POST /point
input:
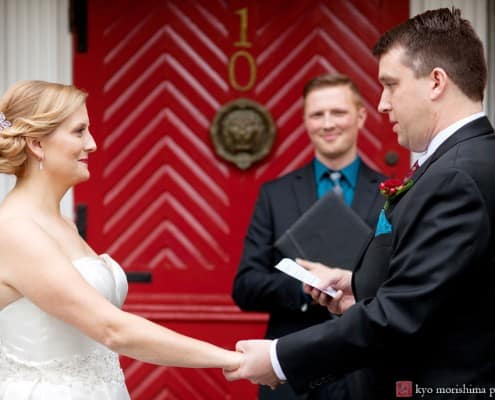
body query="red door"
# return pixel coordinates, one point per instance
(160, 200)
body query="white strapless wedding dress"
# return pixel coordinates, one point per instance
(43, 358)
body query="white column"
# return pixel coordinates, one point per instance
(490, 98)
(35, 43)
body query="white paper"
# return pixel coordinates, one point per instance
(293, 269)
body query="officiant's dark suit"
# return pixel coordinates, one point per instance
(258, 285)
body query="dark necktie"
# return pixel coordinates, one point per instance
(411, 171)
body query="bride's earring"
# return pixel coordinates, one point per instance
(41, 161)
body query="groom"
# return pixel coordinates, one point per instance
(424, 290)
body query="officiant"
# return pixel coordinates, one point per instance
(334, 114)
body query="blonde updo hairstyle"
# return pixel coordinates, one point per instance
(35, 109)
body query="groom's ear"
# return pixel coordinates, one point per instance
(439, 80)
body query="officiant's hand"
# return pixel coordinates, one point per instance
(339, 279)
(255, 364)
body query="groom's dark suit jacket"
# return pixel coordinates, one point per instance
(425, 291)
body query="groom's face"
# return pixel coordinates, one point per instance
(406, 99)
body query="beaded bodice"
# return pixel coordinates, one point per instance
(37, 349)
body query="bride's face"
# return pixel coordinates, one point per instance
(66, 150)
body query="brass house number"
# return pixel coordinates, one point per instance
(243, 43)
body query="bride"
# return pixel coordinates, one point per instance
(61, 325)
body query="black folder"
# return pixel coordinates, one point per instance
(329, 232)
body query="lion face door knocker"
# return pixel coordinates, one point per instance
(242, 132)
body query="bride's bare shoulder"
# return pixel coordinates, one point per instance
(21, 241)
(18, 226)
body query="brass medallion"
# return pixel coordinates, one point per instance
(242, 132)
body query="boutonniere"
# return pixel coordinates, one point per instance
(391, 188)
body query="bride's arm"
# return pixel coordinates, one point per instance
(141, 339)
(36, 268)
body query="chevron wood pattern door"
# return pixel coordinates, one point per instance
(160, 200)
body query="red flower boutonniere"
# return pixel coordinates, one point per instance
(393, 187)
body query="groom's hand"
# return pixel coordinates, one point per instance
(255, 364)
(337, 278)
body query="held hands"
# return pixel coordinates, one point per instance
(233, 361)
(337, 278)
(255, 363)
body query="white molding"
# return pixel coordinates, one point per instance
(35, 43)
(490, 98)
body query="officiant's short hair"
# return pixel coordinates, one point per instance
(332, 80)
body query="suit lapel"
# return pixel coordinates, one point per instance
(365, 197)
(304, 187)
(367, 192)
(478, 127)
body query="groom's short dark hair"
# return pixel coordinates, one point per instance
(440, 38)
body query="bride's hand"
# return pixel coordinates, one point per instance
(233, 361)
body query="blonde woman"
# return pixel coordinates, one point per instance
(61, 325)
